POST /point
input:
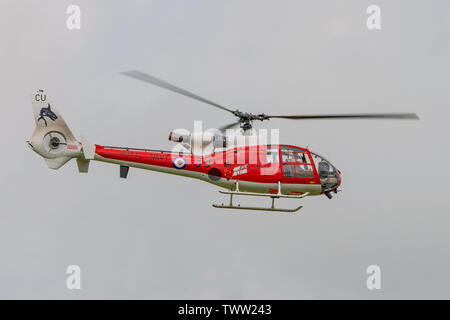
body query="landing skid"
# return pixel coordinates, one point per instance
(272, 196)
(239, 207)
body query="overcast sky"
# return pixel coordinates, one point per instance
(157, 236)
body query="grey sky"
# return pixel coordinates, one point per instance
(157, 236)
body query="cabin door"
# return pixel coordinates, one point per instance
(296, 164)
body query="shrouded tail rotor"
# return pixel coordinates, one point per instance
(52, 138)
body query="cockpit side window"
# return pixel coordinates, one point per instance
(296, 163)
(290, 154)
(327, 172)
(323, 166)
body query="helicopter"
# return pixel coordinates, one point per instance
(234, 160)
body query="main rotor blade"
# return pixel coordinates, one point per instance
(402, 116)
(228, 126)
(162, 84)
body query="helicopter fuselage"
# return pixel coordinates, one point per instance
(260, 169)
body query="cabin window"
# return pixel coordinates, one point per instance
(296, 163)
(295, 155)
(288, 155)
(289, 170)
(304, 171)
(272, 154)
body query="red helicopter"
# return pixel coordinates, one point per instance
(234, 162)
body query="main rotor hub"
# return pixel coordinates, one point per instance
(247, 125)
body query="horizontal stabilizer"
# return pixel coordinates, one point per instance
(57, 162)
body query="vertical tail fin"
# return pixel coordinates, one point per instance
(52, 138)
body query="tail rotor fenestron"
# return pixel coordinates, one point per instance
(52, 138)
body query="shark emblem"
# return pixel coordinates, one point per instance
(47, 112)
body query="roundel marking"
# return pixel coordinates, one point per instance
(179, 163)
